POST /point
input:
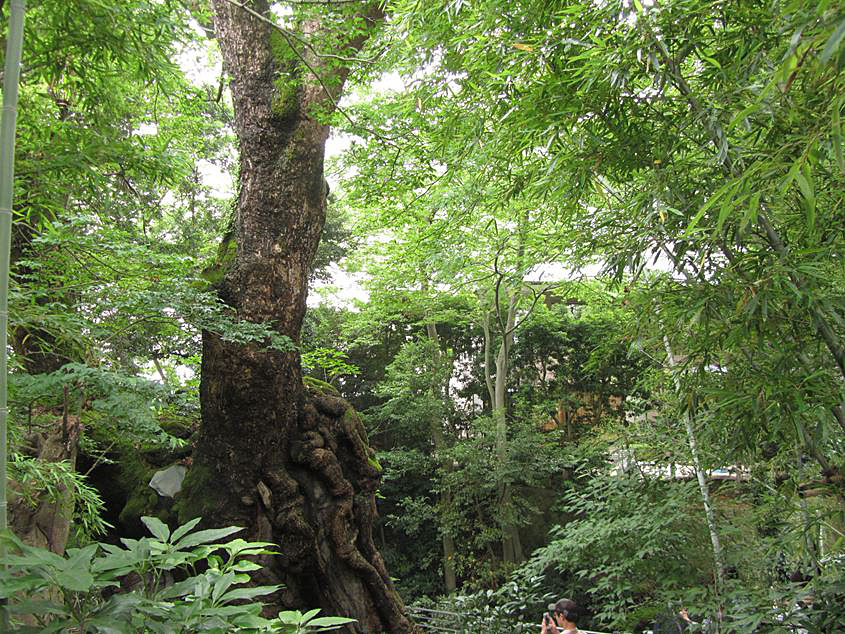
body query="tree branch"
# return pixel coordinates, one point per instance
(289, 36)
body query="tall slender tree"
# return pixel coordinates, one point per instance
(7, 178)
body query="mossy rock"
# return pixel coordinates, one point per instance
(193, 500)
(141, 499)
(143, 502)
(181, 427)
(319, 387)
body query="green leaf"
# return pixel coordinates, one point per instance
(81, 557)
(245, 565)
(310, 615)
(330, 622)
(179, 589)
(833, 42)
(158, 528)
(185, 528)
(75, 579)
(206, 536)
(805, 184)
(107, 625)
(240, 546)
(221, 584)
(36, 606)
(248, 593)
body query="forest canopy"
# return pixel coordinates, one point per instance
(507, 301)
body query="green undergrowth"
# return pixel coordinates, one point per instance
(81, 592)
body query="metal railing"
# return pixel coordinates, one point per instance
(431, 620)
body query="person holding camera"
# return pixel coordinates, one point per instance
(561, 617)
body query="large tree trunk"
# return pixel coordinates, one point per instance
(293, 467)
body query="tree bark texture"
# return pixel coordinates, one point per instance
(292, 466)
(46, 524)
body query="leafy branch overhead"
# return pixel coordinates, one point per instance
(566, 316)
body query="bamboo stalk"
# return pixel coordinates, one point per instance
(704, 489)
(14, 43)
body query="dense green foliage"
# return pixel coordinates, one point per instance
(205, 597)
(600, 249)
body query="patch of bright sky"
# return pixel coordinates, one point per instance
(202, 64)
(338, 142)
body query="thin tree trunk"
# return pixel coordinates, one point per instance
(11, 75)
(488, 359)
(718, 558)
(448, 543)
(294, 468)
(161, 373)
(511, 543)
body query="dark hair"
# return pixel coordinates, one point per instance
(567, 607)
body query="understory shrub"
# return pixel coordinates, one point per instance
(514, 608)
(81, 592)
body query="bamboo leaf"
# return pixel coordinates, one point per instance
(750, 216)
(712, 201)
(833, 42)
(751, 306)
(836, 134)
(790, 176)
(712, 61)
(724, 212)
(805, 184)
